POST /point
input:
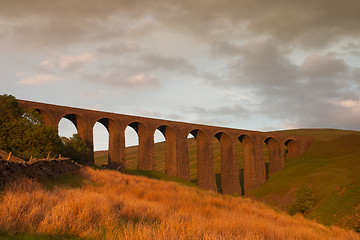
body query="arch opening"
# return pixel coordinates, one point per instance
(101, 142)
(145, 147)
(275, 156)
(240, 163)
(160, 150)
(168, 147)
(248, 164)
(204, 160)
(226, 164)
(266, 158)
(83, 130)
(218, 161)
(45, 117)
(291, 149)
(131, 147)
(67, 127)
(192, 153)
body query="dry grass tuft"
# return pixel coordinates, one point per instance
(117, 206)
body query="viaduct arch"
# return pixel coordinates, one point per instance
(175, 133)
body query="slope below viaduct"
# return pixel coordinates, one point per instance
(176, 133)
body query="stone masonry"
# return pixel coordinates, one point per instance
(176, 133)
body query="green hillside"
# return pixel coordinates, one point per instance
(331, 167)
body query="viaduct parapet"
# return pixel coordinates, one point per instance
(176, 133)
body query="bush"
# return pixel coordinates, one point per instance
(75, 148)
(23, 133)
(304, 200)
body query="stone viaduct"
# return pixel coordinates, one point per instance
(176, 133)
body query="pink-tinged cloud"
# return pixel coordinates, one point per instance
(38, 79)
(68, 62)
(351, 104)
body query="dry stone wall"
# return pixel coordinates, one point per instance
(11, 170)
(5, 156)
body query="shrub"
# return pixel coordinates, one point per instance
(75, 148)
(304, 200)
(23, 133)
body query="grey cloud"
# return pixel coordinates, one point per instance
(121, 80)
(153, 61)
(150, 64)
(148, 67)
(139, 71)
(254, 37)
(118, 49)
(174, 117)
(225, 49)
(352, 48)
(263, 63)
(220, 113)
(324, 66)
(305, 95)
(67, 63)
(236, 110)
(306, 23)
(356, 74)
(140, 60)
(149, 113)
(68, 23)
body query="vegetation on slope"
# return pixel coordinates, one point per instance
(331, 169)
(111, 205)
(24, 134)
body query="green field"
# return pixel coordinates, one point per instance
(331, 167)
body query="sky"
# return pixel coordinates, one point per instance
(247, 64)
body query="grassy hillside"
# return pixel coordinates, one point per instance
(107, 204)
(331, 167)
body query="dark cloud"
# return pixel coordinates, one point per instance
(310, 94)
(323, 66)
(263, 63)
(155, 62)
(140, 71)
(225, 49)
(305, 23)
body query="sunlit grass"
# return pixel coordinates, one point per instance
(120, 206)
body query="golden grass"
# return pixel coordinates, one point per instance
(118, 206)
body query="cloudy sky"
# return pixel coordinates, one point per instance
(261, 65)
